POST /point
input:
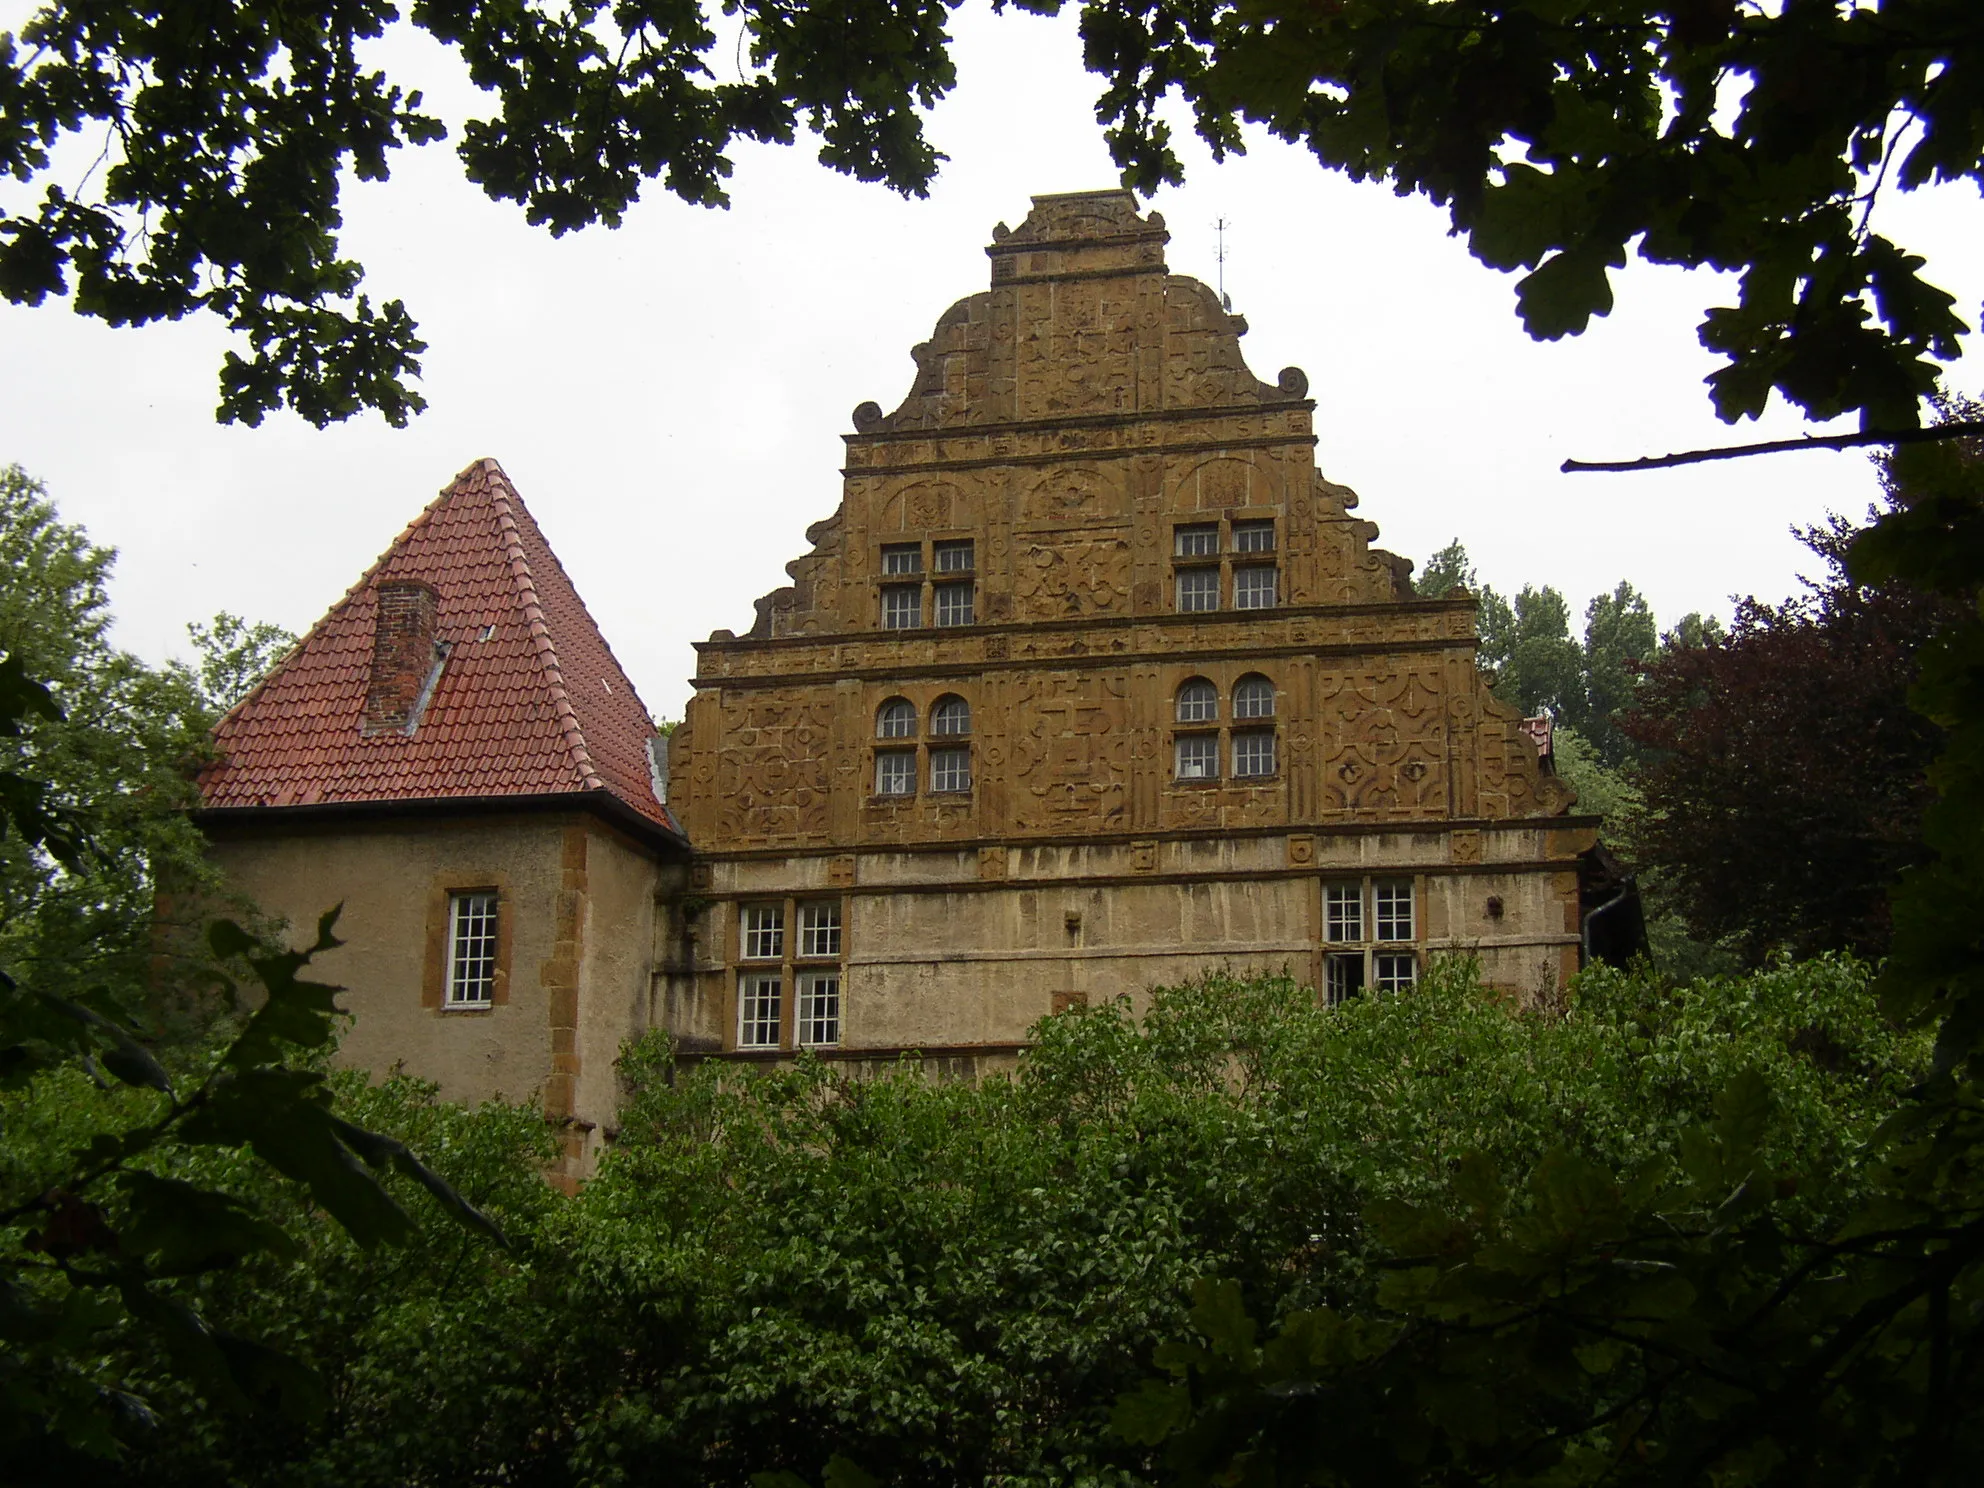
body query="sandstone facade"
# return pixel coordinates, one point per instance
(1093, 682)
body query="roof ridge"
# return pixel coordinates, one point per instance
(542, 645)
(352, 592)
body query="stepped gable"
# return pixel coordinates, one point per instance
(1083, 320)
(517, 692)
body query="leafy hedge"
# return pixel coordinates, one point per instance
(953, 1282)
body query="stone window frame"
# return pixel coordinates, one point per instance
(894, 598)
(441, 893)
(934, 733)
(954, 603)
(1227, 557)
(1225, 732)
(788, 971)
(928, 579)
(1247, 591)
(1359, 957)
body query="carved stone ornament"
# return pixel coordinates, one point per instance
(1076, 437)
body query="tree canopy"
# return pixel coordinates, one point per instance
(1782, 773)
(109, 1223)
(1562, 136)
(1539, 667)
(951, 1282)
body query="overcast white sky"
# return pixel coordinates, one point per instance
(670, 397)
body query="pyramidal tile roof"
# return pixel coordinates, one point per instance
(528, 702)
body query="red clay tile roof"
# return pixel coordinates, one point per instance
(530, 701)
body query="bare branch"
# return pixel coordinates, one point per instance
(1961, 429)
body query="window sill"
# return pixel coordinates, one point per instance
(467, 1007)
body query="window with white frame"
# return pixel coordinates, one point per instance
(471, 981)
(1253, 537)
(954, 557)
(819, 1008)
(1198, 590)
(1197, 540)
(1343, 977)
(1369, 930)
(808, 964)
(902, 606)
(1254, 587)
(954, 604)
(1242, 572)
(950, 770)
(1253, 753)
(763, 932)
(1198, 757)
(902, 558)
(1344, 911)
(1392, 899)
(819, 929)
(950, 716)
(758, 1009)
(1393, 971)
(1198, 702)
(933, 748)
(1253, 697)
(895, 772)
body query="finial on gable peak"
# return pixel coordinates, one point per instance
(1081, 216)
(1075, 232)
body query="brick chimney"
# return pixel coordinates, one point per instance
(405, 658)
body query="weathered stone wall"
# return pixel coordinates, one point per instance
(1086, 434)
(960, 950)
(576, 922)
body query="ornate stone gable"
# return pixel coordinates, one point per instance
(1086, 503)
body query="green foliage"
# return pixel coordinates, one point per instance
(1450, 568)
(233, 125)
(1560, 136)
(107, 1230)
(1539, 667)
(1727, 1311)
(942, 1282)
(234, 656)
(114, 742)
(1782, 773)
(1619, 637)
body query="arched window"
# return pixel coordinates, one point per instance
(895, 719)
(1198, 702)
(1253, 697)
(950, 715)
